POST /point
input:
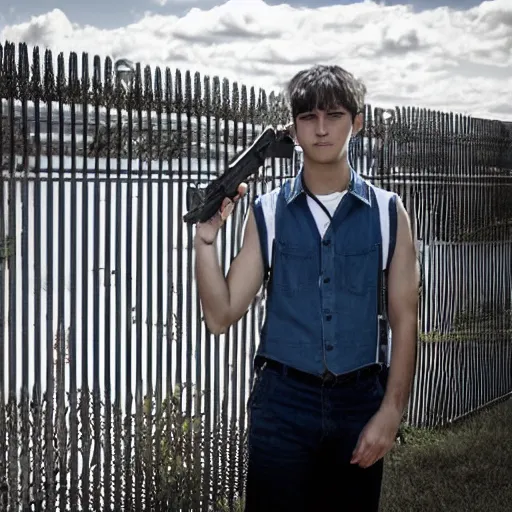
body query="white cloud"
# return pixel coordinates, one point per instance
(447, 59)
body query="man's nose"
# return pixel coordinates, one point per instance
(321, 127)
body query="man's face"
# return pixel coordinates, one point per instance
(324, 135)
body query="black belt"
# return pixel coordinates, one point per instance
(327, 378)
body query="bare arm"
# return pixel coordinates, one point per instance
(403, 287)
(378, 436)
(226, 299)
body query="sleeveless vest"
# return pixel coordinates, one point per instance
(325, 296)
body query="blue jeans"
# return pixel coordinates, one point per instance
(301, 439)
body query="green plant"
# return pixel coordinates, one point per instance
(223, 505)
(165, 440)
(172, 449)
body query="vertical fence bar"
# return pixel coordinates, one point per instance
(169, 98)
(170, 95)
(199, 423)
(216, 111)
(231, 337)
(60, 342)
(207, 435)
(159, 290)
(12, 409)
(50, 470)
(243, 341)
(84, 285)
(24, 405)
(137, 308)
(477, 275)
(107, 280)
(119, 339)
(179, 231)
(187, 270)
(128, 318)
(237, 223)
(147, 399)
(73, 94)
(96, 267)
(227, 337)
(37, 433)
(3, 243)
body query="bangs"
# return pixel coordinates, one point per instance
(322, 97)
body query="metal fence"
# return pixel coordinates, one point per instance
(113, 394)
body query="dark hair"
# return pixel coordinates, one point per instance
(325, 87)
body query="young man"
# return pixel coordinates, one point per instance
(321, 417)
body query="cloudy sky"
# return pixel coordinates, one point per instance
(451, 55)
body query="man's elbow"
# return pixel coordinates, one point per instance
(217, 326)
(217, 329)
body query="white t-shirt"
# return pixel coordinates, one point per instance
(331, 202)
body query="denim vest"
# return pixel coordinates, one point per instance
(322, 297)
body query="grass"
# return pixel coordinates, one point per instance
(465, 467)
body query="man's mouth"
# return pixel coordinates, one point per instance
(323, 144)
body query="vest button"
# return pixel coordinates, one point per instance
(326, 242)
(327, 280)
(328, 317)
(329, 347)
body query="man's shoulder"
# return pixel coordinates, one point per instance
(380, 192)
(386, 199)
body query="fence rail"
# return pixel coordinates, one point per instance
(113, 395)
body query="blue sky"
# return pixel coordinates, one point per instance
(454, 56)
(112, 13)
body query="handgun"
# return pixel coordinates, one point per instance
(203, 204)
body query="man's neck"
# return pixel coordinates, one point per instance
(326, 179)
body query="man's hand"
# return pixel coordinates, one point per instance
(377, 437)
(207, 231)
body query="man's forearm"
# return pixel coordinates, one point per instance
(212, 286)
(403, 363)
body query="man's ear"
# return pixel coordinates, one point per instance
(357, 125)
